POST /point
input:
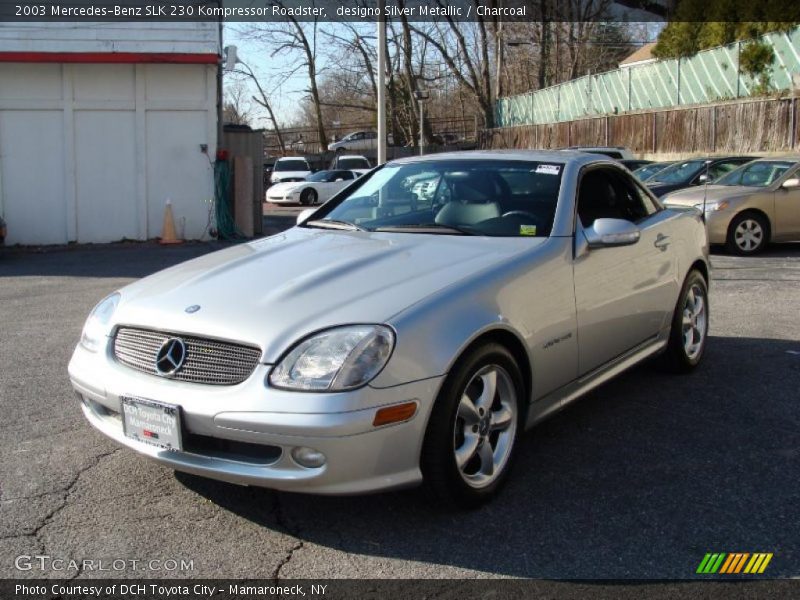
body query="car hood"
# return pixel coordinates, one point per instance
(713, 193)
(288, 174)
(274, 291)
(280, 189)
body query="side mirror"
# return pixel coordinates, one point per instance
(606, 233)
(702, 179)
(790, 184)
(303, 216)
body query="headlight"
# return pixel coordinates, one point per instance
(713, 206)
(96, 327)
(335, 360)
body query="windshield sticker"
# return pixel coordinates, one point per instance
(527, 229)
(549, 169)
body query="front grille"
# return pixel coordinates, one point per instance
(207, 361)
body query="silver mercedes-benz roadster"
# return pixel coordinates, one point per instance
(407, 331)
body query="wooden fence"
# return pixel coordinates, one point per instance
(768, 125)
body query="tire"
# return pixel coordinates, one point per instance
(748, 234)
(308, 196)
(683, 354)
(470, 440)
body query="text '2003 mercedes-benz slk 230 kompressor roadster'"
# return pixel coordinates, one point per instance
(407, 331)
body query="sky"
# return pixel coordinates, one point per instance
(286, 97)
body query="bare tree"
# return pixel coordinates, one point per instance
(464, 48)
(263, 99)
(298, 41)
(236, 107)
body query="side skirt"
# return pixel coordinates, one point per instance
(556, 400)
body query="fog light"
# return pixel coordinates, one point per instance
(308, 457)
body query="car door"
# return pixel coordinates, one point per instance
(787, 210)
(338, 180)
(623, 294)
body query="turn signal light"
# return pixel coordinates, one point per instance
(395, 414)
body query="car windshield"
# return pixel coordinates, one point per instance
(756, 174)
(680, 172)
(352, 163)
(646, 172)
(507, 198)
(321, 176)
(295, 164)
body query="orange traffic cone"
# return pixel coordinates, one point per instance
(168, 235)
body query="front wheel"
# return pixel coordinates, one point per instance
(689, 332)
(748, 234)
(473, 429)
(308, 196)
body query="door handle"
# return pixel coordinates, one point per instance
(662, 242)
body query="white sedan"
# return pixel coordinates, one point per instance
(315, 189)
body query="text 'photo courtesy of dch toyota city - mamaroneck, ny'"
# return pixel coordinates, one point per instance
(399, 299)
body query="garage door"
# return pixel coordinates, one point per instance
(91, 152)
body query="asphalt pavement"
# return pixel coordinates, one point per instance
(636, 481)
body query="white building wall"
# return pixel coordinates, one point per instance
(91, 152)
(190, 38)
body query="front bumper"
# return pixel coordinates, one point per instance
(359, 457)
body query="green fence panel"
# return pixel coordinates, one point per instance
(705, 77)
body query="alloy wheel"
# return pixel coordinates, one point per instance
(695, 322)
(485, 426)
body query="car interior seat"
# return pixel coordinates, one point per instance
(473, 199)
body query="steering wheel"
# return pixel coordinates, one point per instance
(521, 213)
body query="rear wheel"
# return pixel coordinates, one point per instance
(689, 332)
(748, 234)
(473, 429)
(308, 196)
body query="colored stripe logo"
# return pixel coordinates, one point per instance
(724, 563)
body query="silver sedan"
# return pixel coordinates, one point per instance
(401, 333)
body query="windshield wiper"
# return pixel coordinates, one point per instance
(427, 228)
(334, 224)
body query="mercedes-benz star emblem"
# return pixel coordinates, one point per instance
(170, 357)
(193, 308)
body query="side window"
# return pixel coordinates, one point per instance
(718, 170)
(606, 194)
(344, 175)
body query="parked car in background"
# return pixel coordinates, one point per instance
(647, 171)
(617, 152)
(634, 163)
(316, 188)
(351, 162)
(445, 139)
(686, 173)
(358, 140)
(750, 206)
(382, 342)
(290, 168)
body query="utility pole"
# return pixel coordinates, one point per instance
(381, 83)
(421, 96)
(499, 75)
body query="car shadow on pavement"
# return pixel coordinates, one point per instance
(637, 480)
(121, 260)
(783, 250)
